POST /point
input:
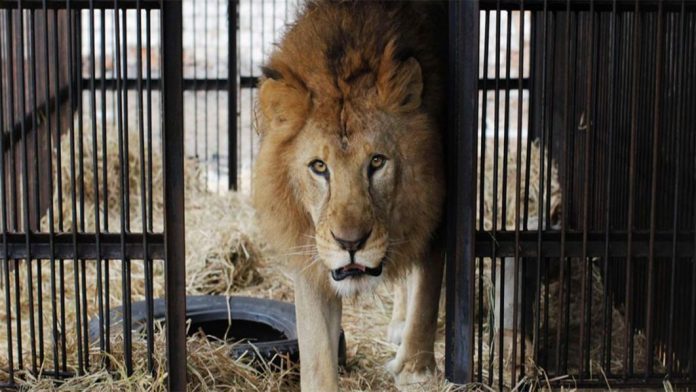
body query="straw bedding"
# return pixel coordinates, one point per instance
(226, 255)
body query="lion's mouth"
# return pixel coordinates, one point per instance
(355, 269)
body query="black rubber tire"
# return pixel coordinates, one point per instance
(211, 308)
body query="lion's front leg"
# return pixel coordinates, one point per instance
(415, 359)
(318, 330)
(398, 318)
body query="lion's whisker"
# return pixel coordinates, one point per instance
(312, 262)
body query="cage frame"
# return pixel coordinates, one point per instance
(465, 243)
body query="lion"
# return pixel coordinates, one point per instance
(349, 179)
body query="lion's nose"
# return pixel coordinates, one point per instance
(352, 241)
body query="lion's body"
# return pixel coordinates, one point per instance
(350, 80)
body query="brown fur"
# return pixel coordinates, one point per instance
(349, 80)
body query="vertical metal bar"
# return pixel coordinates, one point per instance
(143, 196)
(95, 170)
(59, 185)
(77, 26)
(643, 157)
(564, 209)
(463, 97)
(682, 56)
(105, 189)
(689, 104)
(6, 261)
(217, 95)
(540, 195)
(653, 192)
(232, 94)
(73, 187)
(484, 107)
(251, 90)
(123, 195)
(205, 92)
(148, 35)
(506, 122)
(530, 116)
(585, 333)
(606, 341)
(628, 317)
(532, 104)
(173, 152)
(494, 195)
(14, 206)
(51, 244)
(114, 93)
(124, 161)
(663, 298)
(506, 141)
(147, 225)
(518, 174)
(545, 224)
(482, 197)
(126, 132)
(195, 83)
(25, 184)
(238, 113)
(251, 73)
(36, 161)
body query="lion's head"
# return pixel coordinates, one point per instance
(349, 173)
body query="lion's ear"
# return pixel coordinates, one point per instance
(283, 106)
(400, 83)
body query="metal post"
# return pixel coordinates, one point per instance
(173, 155)
(232, 18)
(463, 99)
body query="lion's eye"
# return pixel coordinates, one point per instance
(377, 162)
(318, 166)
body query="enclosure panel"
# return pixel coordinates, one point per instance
(81, 209)
(598, 238)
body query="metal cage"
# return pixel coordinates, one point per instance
(570, 245)
(577, 265)
(61, 86)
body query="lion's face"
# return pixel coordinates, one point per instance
(348, 184)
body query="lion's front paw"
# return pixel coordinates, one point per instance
(414, 373)
(395, 331)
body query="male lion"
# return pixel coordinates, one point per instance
(349, 179)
